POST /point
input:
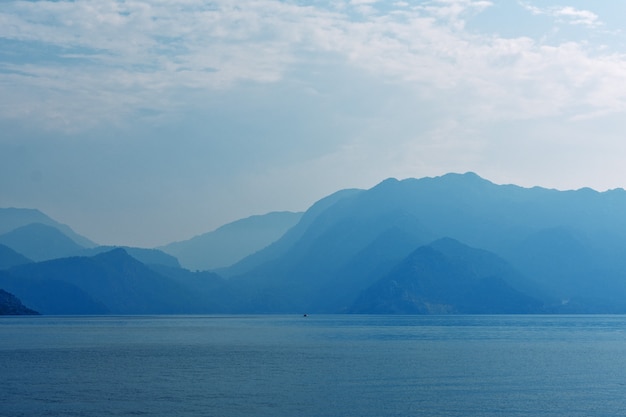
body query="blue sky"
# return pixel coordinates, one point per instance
(145, 122)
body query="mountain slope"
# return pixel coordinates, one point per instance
(281, 246)
(10, 258)
(111, 282)
(145, 256)
(49, 295)
(303, 271)
(312, 267)
(10, 305)
(214, 292)
(232, 242)
(447, 277)
(521, 246)
(13, 218)
(40, 242)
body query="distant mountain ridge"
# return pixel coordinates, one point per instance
(40, 242)
(232, 242)
(464, 207)
(447, 277)
(10, 258)
(146, 256)
(290, 237)
(12, 218)
(38, 237)
(454, 244)
(112, 282)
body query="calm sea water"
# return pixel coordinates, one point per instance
(313, 366)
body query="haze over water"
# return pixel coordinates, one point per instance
(313, 366)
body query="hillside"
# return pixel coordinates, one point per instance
(10, 258)
(502, 219)
(10, 305)
(232, 242)
(108, 283)
(451, 244)
(40, 242)
(146, 256)
(12, 218)
(447, 277)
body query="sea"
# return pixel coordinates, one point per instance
(315, 366)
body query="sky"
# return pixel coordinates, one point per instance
(146, 122)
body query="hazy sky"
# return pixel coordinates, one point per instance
(144, 122)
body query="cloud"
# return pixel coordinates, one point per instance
(567, 14)
(455, 11)
(111, 62)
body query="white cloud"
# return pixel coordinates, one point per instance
(360, 2)
(113, 58)
(567, 14)
(578, 17)
(454, 12)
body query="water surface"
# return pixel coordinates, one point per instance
(313, 366)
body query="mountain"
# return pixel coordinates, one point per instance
(348, 244)
(281, 246)
(108, 283)
(315, 266)
(48, 292)
(10, 305)
(447, 277)
(365, 268)
(146, 256)
(232, 242)
(451, 244)
(10, 258)
(40, 242)
(214, 292)
(13, 218)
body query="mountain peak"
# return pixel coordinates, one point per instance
(390, 180)
(12, 218)
(465, 178)
(116, 254)
(40, 242)
(232, 242)
(456, 179)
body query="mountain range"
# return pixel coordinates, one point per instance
(454, 244)
(566, 244)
